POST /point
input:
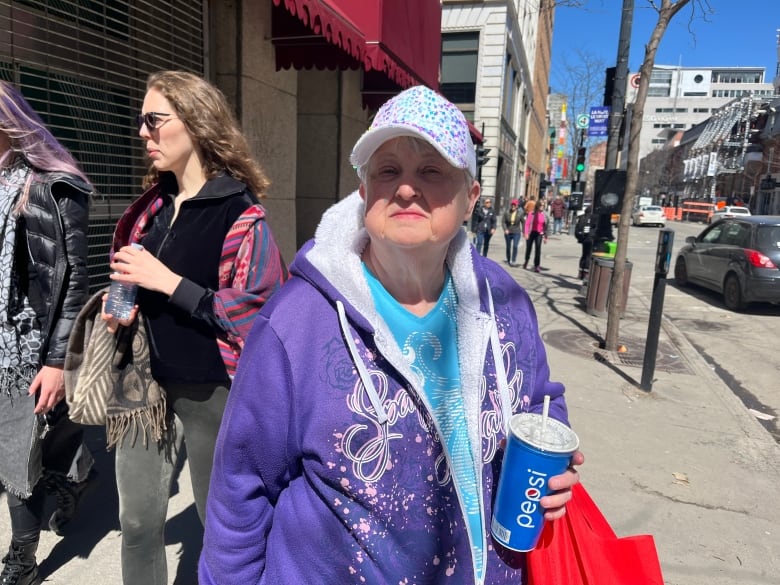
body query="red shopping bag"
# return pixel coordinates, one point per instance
(582, 549)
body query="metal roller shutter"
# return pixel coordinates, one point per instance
(83, 65)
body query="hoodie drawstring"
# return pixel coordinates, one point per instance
(501, 380)
(365, 377)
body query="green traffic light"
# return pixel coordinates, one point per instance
(580, 165)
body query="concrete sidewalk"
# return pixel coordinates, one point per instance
(89, 554)
(685, 462)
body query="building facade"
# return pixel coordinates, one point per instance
(488, 58)
(776, 82)
(731, 158)
(84, 70)
(557, 129)
(539, 150)
(304, 77)
(767, 183)
(679, 98)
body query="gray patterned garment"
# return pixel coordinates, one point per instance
(20, 343)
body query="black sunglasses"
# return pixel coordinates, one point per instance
(153, 120)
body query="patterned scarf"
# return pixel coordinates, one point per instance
(20, 336)
(238, 270)
(20, 342)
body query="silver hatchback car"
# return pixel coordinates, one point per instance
(738, 257)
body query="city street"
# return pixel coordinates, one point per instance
(547, 102)
(670, 462)
(675, 462)
(741, 348)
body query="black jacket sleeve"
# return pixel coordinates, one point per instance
(73, 208)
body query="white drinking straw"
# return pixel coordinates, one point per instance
(545, 414)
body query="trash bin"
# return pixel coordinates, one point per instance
(599, 280)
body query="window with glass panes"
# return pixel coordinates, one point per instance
(459, 56)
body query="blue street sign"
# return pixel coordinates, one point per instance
(599, 121)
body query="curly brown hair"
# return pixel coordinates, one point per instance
(205, 113)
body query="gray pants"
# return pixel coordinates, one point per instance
(144, 475)
(63, 452)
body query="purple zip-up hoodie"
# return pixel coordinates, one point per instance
(329, 468)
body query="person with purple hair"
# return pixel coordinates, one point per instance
(44, 205)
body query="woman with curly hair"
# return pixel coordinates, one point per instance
(206, 265)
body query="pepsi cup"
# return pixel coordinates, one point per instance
(530, 460)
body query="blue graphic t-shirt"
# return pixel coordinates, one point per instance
(430, 344)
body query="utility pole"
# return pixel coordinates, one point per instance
(666, 10)
(616, 115)
(619, 91)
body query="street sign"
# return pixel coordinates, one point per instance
(582, 121)
(599, 119)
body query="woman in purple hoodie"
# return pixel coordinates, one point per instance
(363, 433)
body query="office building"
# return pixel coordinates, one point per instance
(679, 98)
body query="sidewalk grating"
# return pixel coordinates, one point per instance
(579, 343)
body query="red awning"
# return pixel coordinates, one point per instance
(399, 38)
(403, 38)
(317, 24)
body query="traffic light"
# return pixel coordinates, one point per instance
(482, 155)
(580, 166)
(482, 158)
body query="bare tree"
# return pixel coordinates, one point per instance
(656, 172)
(666, 10)
(581, 79)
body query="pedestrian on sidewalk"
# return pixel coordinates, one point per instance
(486, 226)
(474, 221)
(513, 231)
(358, 450)
(208, 264)
(44, 204)
(584, 232)
(529, 206)
(535, 232)
(557, 210)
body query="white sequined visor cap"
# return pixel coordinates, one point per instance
(421, 113)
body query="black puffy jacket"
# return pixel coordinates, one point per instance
(584, 229)
(56, 277)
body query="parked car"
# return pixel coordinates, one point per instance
(649, 215)
(738, 257)
(729, 211)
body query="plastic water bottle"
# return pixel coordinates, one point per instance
(121, 296)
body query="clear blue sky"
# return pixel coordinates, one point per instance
(741, 33)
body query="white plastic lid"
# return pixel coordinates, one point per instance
(558, 438)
